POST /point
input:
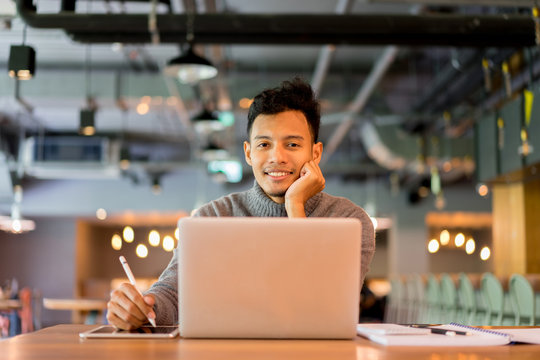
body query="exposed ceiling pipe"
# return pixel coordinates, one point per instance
(385, 157)
(399, 29)
(381, 66)
(375, 76)
(468, 81)
(450, 88)
(466, 59)
(327, 52)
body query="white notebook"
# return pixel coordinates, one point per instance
(399, 335)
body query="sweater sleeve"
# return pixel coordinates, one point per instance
(368, 244)
(332, 206)
(165, 291)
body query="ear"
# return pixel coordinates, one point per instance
(247, 152)
(317, 152)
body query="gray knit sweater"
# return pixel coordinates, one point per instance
(254, 202)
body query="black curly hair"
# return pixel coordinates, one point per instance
(295, 94)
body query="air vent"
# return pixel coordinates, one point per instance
(58, 157)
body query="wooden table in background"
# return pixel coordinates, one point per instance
(86, 311)
(9, 304)
(63, 342)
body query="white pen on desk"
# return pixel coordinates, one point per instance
(442, 331)
(131, 278)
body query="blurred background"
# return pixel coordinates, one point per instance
(119, 117)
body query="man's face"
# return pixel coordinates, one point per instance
(278, 147)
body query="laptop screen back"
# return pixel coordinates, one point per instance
(269, 277)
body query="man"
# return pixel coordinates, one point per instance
(284, 154)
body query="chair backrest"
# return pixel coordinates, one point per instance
(394, 299)
(448, 298)
(433, 300)
(467, 299)
(522, 297)
(418, 285)
(417, 301)
(493, 295)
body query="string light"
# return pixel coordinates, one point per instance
(485, 253)
(470, 246)
(116, 242)
(433, 246)
(141, 251)
(168, 243)
(482, 190)
(459, 240)
(129, 234)
(154, 238)
(444, 237)
(101, 214)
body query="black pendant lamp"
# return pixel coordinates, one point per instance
(190, 68)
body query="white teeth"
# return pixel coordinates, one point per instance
(277, 174)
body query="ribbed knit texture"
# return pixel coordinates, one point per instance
(254, 202)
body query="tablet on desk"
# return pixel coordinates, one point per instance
(144, 332)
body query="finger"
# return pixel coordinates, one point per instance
(113, 319)
(150, 301)
(121, 317)
(136, 298)
(128, 298)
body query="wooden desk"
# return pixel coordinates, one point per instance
(63, 342)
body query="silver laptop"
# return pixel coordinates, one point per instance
(247, 277)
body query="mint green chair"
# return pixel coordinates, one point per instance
(467, 300)
(448, 299)
(418, 299)
(394, 301)
(493, 295)
(522, 297)
(433, 300)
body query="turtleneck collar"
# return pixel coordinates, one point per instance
(261, 205)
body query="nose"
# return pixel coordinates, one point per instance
(278, 155)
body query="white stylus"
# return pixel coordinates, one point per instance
(131, 278)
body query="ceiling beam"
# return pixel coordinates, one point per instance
(510, 3)
(227, 28)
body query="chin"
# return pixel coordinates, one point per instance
(275, 192)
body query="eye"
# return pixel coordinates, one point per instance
(262, 145)
(293, 145)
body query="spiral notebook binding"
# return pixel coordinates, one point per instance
(485, 331)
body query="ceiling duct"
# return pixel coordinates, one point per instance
(220, 28)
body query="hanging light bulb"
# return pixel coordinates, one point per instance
(22, 62)
(433, 246)
(190, 68)
(15, 223)
(154, 238)
(168, 243)
(116, 242)
(129, 234)
(141, 251)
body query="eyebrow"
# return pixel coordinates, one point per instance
(288, 137)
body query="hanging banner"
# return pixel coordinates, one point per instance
(528, 104)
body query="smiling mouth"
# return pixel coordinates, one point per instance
(278, 173)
